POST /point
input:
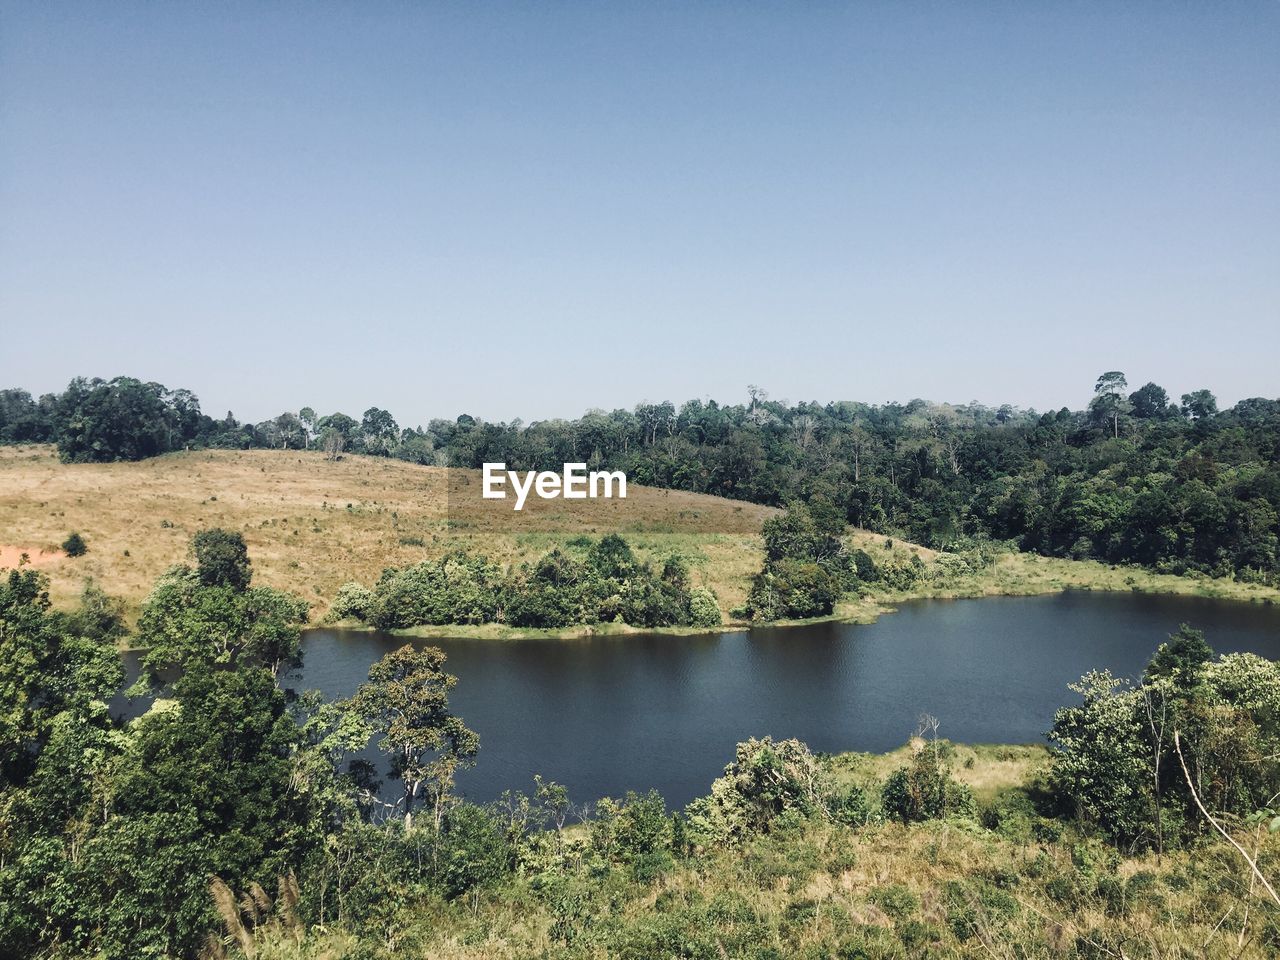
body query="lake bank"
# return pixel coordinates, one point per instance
(1012, 575)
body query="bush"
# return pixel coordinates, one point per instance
(896, 900)
(925, 790)
(704, 610)
(74, 546)
(806, 567)
(473, 850)
(898, 574)
(558, 591)
(865, 567)
(766, 780)
(851, 808)
(352, 601)
(457, 588)
(793, 590)
(633, 828)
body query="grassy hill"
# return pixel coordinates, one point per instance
(313, 524)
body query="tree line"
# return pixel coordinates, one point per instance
(1133, 478)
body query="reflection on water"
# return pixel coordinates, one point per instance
(607, 714)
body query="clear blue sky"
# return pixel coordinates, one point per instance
(533, 209)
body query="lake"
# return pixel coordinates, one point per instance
(603, 715)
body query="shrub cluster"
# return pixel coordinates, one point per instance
(565, 587)
(806, 565)
(1122, 751)
(924, 789)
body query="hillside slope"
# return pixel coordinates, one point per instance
(312, 524)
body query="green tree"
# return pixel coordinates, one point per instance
(210, 615)
(307, 417)
(407, 701)
(1109, 401)
(1181, 659)
(46, 669)
(1149, 402)
(337, 432)
(379, 431)
(121, 419)
(185, 622)
(1199, 405)
(205, 786)
(1102, 766)
(222, 559)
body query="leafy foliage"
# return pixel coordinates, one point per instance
(1116, 764)
(924, 789)
(609, 585)
(806, 566)
(222, 559)
(767, 780)
(47, 670)
(407, 701)
(185, 622)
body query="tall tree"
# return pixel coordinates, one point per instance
(1149, 401)
(1109, 399)
(1199, 405)
(407, 700)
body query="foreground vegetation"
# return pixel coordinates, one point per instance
(231, 820)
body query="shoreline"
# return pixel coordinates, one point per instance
(1013, 575)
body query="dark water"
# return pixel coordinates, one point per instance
(605, 715)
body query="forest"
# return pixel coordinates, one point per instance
(1134, 477)
(233, 818)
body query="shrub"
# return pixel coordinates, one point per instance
(925, 790)
(794, 590)
(851, 808)
(865, 567)
(352, 601)
(899, 574)
(896, 900)
(704, 610)
(647, 602)
(457, 588)
(473, 850)
(765, 780)
(74, 546)
(634, 827)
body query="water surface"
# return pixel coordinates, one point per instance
(608, 714)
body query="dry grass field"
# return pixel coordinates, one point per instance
(312, 524)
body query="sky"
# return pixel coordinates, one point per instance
(530, 210)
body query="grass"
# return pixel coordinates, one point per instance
(1028, 574)
(814, 889)
(989, 770)
(313, 524)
